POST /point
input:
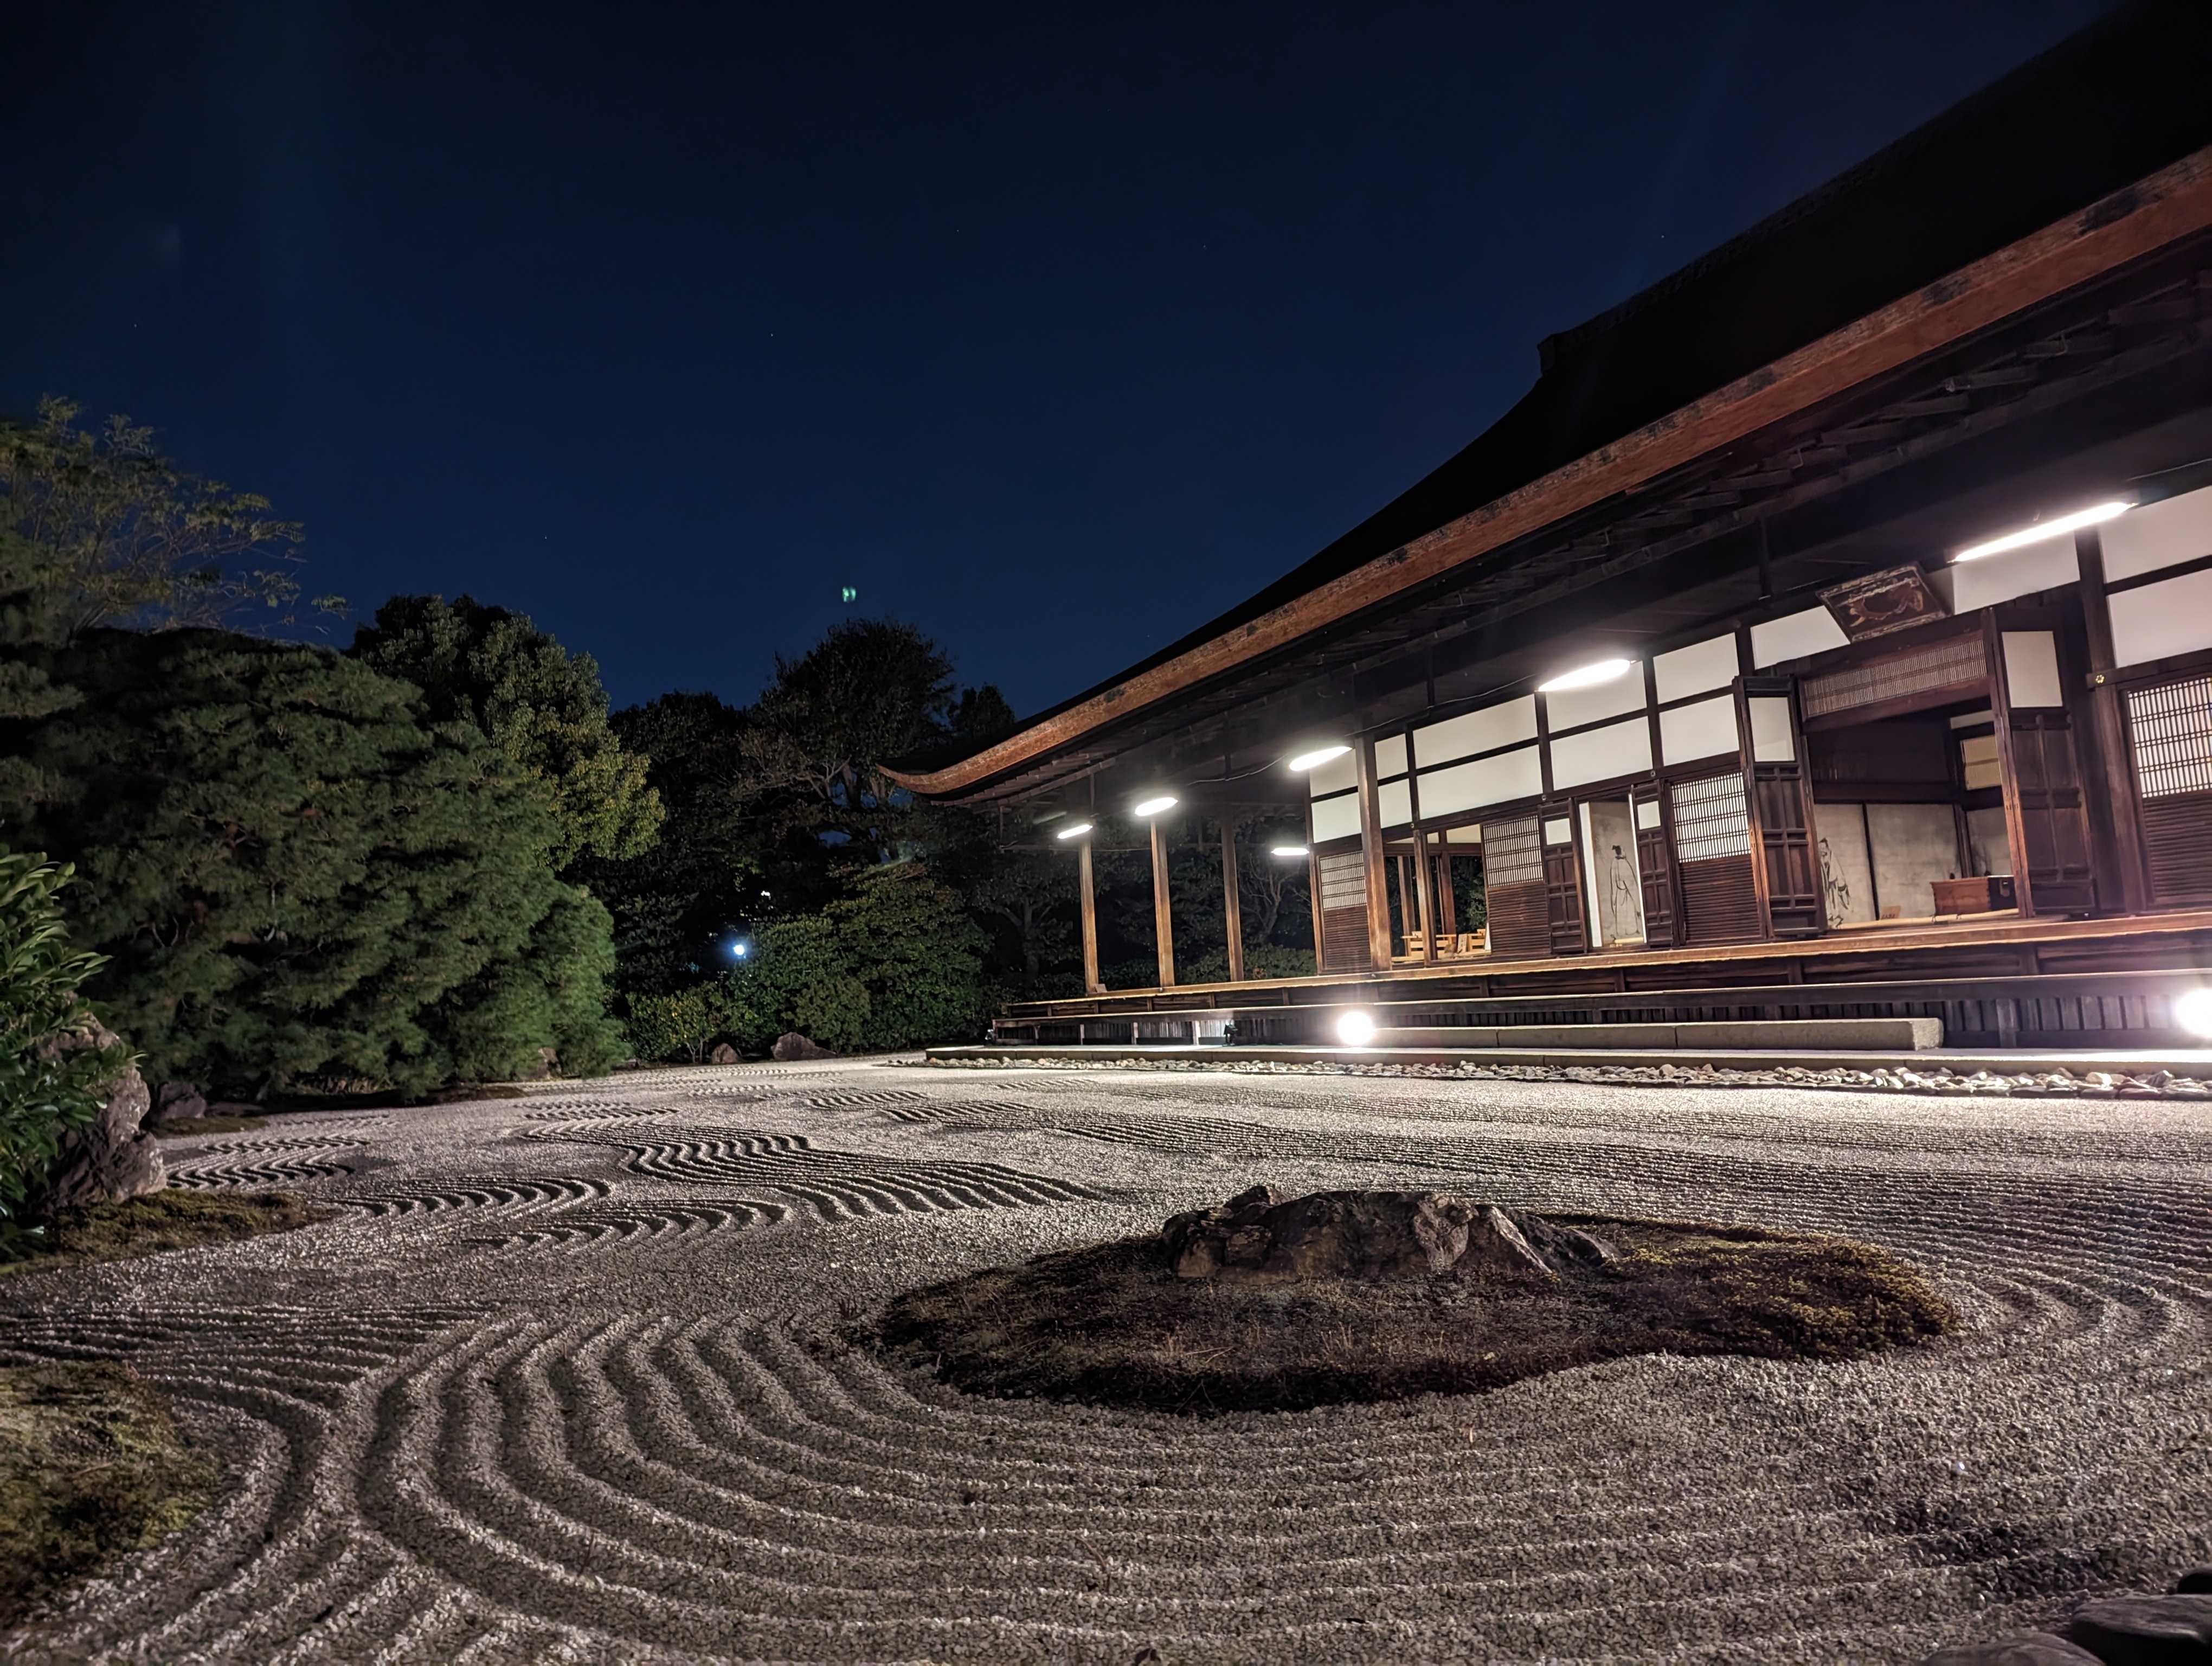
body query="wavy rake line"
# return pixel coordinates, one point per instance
(881, 1099)
(489, 1192)
(656, 1223)
(279, 1142)
(257, 1175)
(839, 1185)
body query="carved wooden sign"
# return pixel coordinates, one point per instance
(1895, 599)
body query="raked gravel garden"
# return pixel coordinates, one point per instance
(587, 1376)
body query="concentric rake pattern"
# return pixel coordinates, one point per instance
(602, 1436)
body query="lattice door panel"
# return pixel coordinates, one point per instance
(2170, 746)
(1343, 911)
(1712, 856)
(1513, 878)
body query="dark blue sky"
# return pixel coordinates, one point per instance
(660, 323)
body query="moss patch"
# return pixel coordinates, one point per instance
(172, 1218)
(1111, 1324)
(91, 1466)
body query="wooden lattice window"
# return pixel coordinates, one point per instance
(2171, 727)
(1710, 819)
(2170, 738)
(1958, 662)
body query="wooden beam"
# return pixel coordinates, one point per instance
(1370, 851)
(1092, 983)
(1232, 905)
(1163, 915)
(2125, 226)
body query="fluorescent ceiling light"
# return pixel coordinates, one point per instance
(1585, 677)
(1153, 806)
(2045, 529)
(1288, 850)
(1076, 831)
(1355, 1029)
(1320, 755)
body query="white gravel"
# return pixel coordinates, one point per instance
(565, 1383)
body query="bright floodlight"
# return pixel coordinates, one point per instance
(1153, 806)
(739, 951)
(2193, 1013)
(1320, 755)
(2045, 529)
(1074, 832)
(1286, 850)
(1355, 1029)
(1585, 677)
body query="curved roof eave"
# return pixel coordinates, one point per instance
(2124, 226)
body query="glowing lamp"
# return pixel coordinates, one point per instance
(1153, 806)
(1286, 850)
(2193, 1013)
(740, 951)
(1355, 1029)
(2095, 514)
(1074, 832)
(1586, 676)
(1320, 755)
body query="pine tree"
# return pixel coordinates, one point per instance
(296, 877)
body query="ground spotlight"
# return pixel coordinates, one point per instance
(1355, 1029)
(2193, 1013)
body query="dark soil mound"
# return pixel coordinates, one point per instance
(1244, 1327)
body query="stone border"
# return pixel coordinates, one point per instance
(2053, 1084)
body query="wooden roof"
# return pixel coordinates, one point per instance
(2096, 156)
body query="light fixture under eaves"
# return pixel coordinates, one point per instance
(1074, 832)
(1320, 755)
(1286, 850)
(2093, 515)
(1586, 676)
(1153, 806)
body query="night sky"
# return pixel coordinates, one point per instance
(662, 323)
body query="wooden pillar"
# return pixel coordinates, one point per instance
(2008, 770)
(1424, 884)
(1091, 983)
(1163, 917)
(1232, 905)
(1313, 888)
(2115, 770)
(1371, 852)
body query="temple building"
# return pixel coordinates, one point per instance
(1832, 620)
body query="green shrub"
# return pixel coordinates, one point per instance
(896, 964)
(44, 1091)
